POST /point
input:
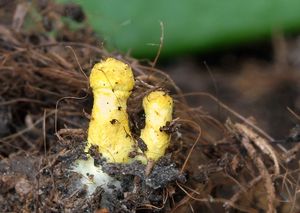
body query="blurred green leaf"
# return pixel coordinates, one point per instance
(189, 25)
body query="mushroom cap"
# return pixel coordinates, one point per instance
(112, 74)
(158, 106)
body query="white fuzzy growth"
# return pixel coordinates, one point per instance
(93, 176)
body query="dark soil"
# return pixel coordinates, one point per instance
(218, 161)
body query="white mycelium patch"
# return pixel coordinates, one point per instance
(93, 176)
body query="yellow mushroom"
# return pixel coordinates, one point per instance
(158, 108)
(111, 81)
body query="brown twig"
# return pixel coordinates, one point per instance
(260, 142)
(270, 190)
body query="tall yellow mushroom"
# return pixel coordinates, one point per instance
(111, 81)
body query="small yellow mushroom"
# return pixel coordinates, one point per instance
(158, 108)
(111, 81)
